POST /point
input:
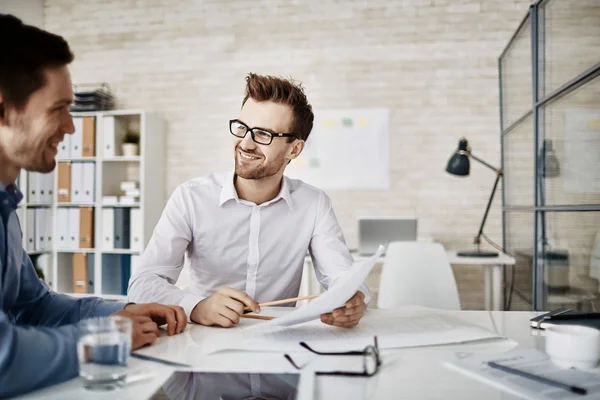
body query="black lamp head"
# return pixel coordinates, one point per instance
(459, 164)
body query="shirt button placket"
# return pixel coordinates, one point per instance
(253, 255)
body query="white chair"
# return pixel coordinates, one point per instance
(417, 273)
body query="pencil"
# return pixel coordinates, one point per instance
(253, 316)
(284, 301)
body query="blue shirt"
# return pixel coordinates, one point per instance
(37, 333)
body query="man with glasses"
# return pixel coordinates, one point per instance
(246, 233)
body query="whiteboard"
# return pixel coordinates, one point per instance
(347, 149)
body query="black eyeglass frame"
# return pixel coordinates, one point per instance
(251, 130)
(366, 352)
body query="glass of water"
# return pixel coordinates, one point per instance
(103, 351)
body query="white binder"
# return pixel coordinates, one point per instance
(30, 231)
(62, 228)
(77, 138)
(32, 187)
(108, 136)
(40, 229)
(49, 228)
(135, 229)
(89, 180)
(49, 187)
(77, 182)
(64, 148)
(108, 229)
(73, 230)
(135, 264)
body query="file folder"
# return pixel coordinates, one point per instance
(86, 228)
(30, 231)
(49, 187)
(62, 228)
(108, 136)
(125, 272)
(111, 273)
(77, 138)
(135, 264)
(88, 145)
(108, 229)
(121, 228)
(89, 182)
(73, 228)
(64, 182)
(136, 229)
(64, 148)
(80, 280)
(49, 225)
(77, 182)
(32, 187)
(91, 278)
(40, 228)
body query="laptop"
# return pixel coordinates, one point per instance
(373, 231)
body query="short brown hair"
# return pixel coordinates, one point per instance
(26, 51)
(283, 91)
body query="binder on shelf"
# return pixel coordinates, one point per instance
(64, 182)
(62, 231)
(108, 136)
(30, 231)
(135, 264)
(136, 229)
(77, 182)
(86, 228)
(125, 272)
(121, 228)
(88, 146)
(77, 138)
(49, 231)
(49, 179)
(64, 148)
(80, 279)
(108, 229)
(90, 273)
(32, 187)
(73, 228)
(88, 182)
(111, 274)
(40, 228)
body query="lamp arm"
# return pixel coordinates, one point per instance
(477, 240)
(497, 170)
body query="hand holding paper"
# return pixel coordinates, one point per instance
(349, 315)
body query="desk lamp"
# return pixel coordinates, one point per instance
(460, 165)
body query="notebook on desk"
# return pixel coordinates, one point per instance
(566, 316)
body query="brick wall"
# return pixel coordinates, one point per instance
(433, 63)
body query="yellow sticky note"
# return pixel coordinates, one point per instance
(594, 124)
(299, 162)
(328, 123)
(363, 122)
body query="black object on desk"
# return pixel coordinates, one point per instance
(537, 378)
(566, 316)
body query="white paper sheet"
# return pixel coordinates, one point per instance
(532, 361)
(402, 327)
(333, 298)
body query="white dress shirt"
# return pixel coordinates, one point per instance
(258, 249)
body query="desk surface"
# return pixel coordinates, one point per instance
(414, 373)
(501, 259)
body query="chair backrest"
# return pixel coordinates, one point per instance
(417, 273)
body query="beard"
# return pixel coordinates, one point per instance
(262, 171)
(32, 151)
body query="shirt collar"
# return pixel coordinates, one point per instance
(228, 192)
(12, 193)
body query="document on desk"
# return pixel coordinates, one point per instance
(534, 362)
(335, 297)
(397, 328)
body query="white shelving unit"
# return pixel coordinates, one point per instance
(147, 169)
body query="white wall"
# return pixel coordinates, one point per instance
(30, 12)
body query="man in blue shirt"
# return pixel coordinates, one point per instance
(38, 334)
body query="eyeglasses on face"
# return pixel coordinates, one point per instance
(371, 360)
(259, 135)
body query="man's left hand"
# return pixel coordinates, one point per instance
(173, 316)
(349, 315)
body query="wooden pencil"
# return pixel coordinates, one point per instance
(254, 316)
(285, 301)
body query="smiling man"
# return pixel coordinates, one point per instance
(246, 233)
(38, 331)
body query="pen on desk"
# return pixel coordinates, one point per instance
(537, 378)
(159, 360)
(284, 301)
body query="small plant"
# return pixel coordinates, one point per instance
(131, 137)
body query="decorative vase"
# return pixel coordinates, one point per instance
(130, 149)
